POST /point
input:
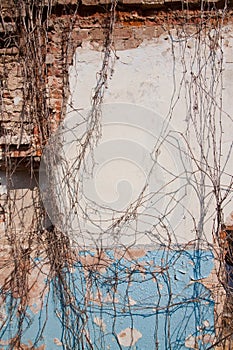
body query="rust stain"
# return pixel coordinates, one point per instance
(191, 342)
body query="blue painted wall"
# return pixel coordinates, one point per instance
(158, 296)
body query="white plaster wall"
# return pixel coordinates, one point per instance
(149, 77)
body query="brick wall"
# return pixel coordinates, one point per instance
(68, 26)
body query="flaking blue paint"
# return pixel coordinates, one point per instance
(168, 306)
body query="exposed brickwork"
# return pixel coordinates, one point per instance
(9, 4)
(19, 132)
(65, 32)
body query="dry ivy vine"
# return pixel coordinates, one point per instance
(31, 38)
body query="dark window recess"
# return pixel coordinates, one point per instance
(13, 148)
(7, 19)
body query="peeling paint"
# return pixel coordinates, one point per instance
(2, 311)
(206, 323)
(57, 342)
(115, 289)
(99, 322)
(129, 336)
(132, 301)
(110, 299)
(108, 306)
(130, 253)
(98, 261)
(207, 339)
(28, 346)
(190, 342)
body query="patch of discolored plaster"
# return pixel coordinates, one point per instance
(25, 347)
(193, 342)
(207, 339)
(57, 342)
(28, 346)
(36, 286)
(129, 336)
(132, 301)
(96, 261)
(99, 322)
(100, 295)
(130, 254)
(2, 311)
(98, 298)
(6, 263)
(190, 342)
(110, 299)
(210, 281)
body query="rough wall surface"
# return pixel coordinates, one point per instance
(141, 298)
(17, 118)
(150, 305)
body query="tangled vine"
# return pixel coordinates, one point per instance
(42, 272)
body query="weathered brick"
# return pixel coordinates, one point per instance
(14, 83)
(7, 4)
(124, 33)
(54, 82)
(56, 94)
(123, 44)
(10, 116)
(97, 34)
(49, 58)
(79, 35)
(16, 70)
